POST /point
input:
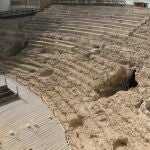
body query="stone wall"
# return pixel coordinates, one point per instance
(4, 5)
(88, 1)
(29, 2)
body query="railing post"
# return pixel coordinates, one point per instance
(5, 80)
(17, 91)
(39, 3)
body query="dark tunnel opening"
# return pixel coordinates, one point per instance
(132, 80)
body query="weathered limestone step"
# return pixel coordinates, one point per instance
(98, 12)
(6, 94)
(53, 40)
(80, 15)
(76, 37)
(87, 26)
(27, 52)
(137, 40)
(99, 28)
(110, 9)
(79, 31)
(74, 27)
(117, 54)
(9, 68)
(3, 89)
(112, 17)
(8, 98)
(102, 23)
(83, 30)
(29, 61)
(55, 44)
(59, 70)
(130, 22)
(22, 66)
(73, 32)
(141, 36)
(10, 27)
(77, 74)
(80, 68)
(106, 62)
(135, 10)
(49, 19)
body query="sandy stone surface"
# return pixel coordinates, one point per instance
(86, 78)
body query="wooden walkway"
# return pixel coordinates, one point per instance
(27, 123)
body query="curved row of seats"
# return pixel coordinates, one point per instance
(71, 50)
(75, 32)
(88, 21)
(59, 29)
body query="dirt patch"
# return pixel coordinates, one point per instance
(46, 72)
(76, 122)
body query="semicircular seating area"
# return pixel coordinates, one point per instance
(72, 49)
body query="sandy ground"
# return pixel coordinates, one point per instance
(76, 82)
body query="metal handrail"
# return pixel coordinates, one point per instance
(18, 12)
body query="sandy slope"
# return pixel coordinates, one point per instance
(73, 77)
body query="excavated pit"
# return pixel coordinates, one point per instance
(122, 80)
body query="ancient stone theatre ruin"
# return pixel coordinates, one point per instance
(75, 75)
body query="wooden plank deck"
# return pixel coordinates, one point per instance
(34, 126)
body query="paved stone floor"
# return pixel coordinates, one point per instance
(27, 123)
